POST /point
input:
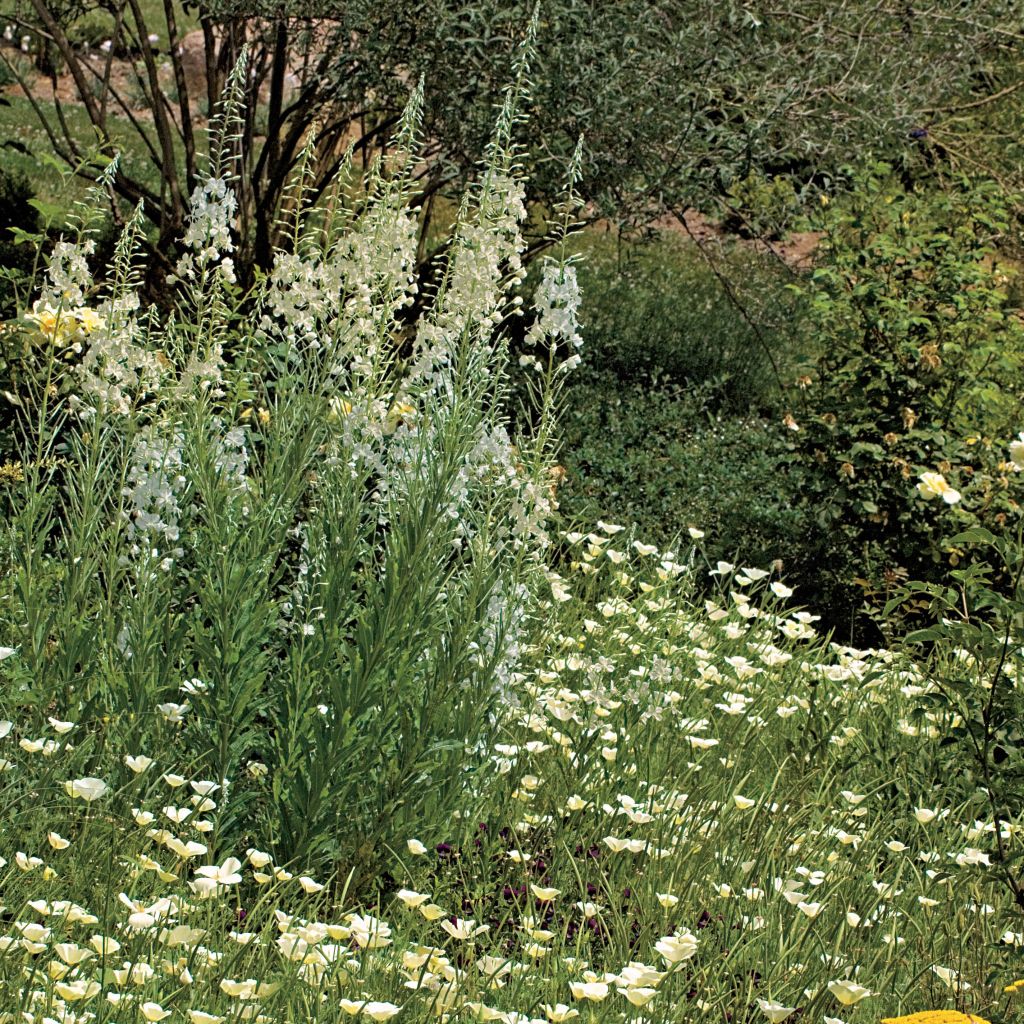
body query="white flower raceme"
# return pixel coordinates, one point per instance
(934, 485)
(557, 302)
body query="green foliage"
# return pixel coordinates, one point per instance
(19, 239)
(975, 651)
(653, 456)
(763, 206)
(920, 370)
(658, 311)
(677, 105)
(673, 419)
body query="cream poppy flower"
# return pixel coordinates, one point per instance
(638, 996)
(186, 850)
(849, 993)
(139, 763)
(464, 929)
(174, 713)
(87, 789)
(104, 945)
(560, 1013)
(951, 978)
(223, 874)
(411, 898)
(676, 948)
(378, 1011)
(73, 991)
(775, 1012)
(57, 841)
(545, 893)
(72, 954)
(369, 932)
(592, 990)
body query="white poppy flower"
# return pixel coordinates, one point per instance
(87, 789)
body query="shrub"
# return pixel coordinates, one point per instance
(974, 651)
(920, 369)
(657, 311)
(19, 224)
(673, 420)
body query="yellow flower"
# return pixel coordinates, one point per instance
(89, 319)
(12, 472)
(934, 485)
(337, 408)
(397, 414)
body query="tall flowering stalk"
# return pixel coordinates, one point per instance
(318, 548)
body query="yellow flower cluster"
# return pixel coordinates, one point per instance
(11, 473)
(64, 326)
(935, 1017)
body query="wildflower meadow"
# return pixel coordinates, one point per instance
(312, 707)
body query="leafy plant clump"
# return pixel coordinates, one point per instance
(287, 529)
(920, 372)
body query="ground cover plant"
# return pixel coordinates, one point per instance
(311, 709)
